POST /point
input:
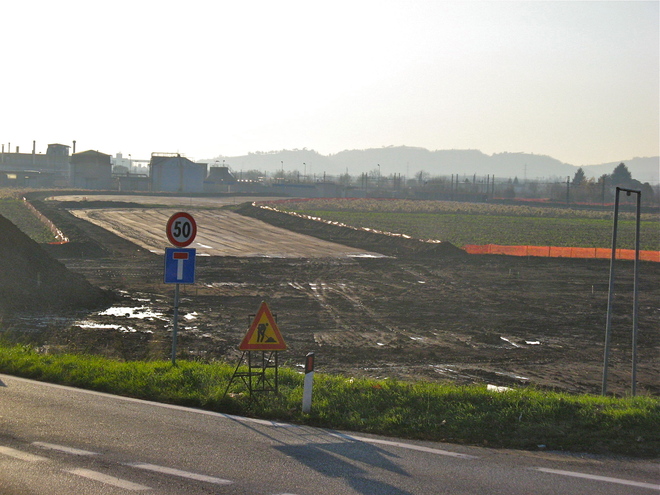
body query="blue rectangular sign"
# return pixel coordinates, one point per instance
(179, 266)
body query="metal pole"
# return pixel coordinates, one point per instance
(176, 322)
(610, 295)
(635, 296)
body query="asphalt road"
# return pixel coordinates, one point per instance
(61, 440)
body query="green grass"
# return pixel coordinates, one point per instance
(464, 228)
(17, 213)
(522, 418)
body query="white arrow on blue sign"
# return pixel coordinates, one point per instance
(179, 266)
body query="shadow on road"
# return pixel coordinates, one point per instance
(335, 456)
(341, 460)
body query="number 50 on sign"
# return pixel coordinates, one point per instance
(181, 229)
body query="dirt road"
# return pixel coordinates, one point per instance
(495, 319)
(219, 233)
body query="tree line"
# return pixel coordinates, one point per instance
(579, 189)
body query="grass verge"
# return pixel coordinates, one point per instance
(17, 212)
(520, 418)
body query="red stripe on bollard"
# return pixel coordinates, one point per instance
(309, 363)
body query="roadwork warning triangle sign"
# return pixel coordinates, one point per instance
(263, 334)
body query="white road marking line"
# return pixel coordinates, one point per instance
(108, 480)
(599, 478)
(408, 446)
(178, 472)
(24, 456)
(63, 448)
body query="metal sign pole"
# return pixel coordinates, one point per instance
(610, 298)
(176, 322)
(635, 295)
(610, 295)
(181, 230)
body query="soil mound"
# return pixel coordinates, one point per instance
(86, 240)
(389, 245)
(30, 279)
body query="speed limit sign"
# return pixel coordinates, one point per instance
(181, 229)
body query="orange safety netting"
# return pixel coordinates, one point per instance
(561, 252)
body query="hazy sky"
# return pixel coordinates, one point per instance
(578, 81)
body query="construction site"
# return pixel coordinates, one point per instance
(366, 304)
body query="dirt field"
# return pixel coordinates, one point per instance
(428, 313)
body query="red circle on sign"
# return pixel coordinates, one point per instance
(181, 229)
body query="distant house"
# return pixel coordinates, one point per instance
(91, 170)
(170, 172)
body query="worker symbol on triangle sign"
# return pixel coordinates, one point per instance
(263, 334)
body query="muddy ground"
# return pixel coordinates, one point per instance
(419, 314)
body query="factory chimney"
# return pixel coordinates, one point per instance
(74, 147)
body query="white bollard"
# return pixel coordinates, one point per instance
(309, 380)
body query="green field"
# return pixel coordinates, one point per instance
(468, 223)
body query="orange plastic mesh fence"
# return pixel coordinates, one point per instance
(560, 252)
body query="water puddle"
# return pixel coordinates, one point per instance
(109, 326)
(509, 342)
(366, 255)
(137, 312)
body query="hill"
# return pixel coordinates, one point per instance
(409, 161)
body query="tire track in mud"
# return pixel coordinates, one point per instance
(360, 326)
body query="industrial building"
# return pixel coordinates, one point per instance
(35, 169)
(171, 172)
(55, 160)
(91, 170)
(219, 180)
